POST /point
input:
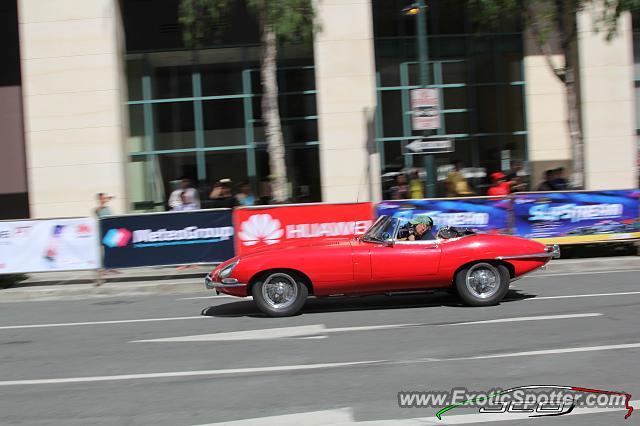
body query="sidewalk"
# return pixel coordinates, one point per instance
(165, 280)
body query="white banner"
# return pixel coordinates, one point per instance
(48, 245)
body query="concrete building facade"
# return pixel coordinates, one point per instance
(109, 100)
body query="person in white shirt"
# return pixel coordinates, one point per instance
(185, 197)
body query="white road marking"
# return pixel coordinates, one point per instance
(312, 418)
(70, 324)
(563, 274)
(269, 333)
(226, 372)
(571, 296)
(319, 331)
(547, 352)
(518, 319)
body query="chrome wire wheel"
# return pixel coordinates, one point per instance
(280, 290)
(483, 280)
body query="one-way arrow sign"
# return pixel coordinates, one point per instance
(430, 146)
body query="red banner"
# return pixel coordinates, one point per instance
(261, 227)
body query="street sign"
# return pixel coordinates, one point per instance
(425, 109)
(429, 146)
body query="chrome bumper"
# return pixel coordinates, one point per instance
(226, 283)
(549, 251)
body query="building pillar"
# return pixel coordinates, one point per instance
(546, 107)
(72, 77)
(346, 99)
(608, 104)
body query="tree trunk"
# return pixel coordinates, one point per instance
(566, 31)
(271, 115)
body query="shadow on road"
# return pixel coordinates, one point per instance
(246, 308)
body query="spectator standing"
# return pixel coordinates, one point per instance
(559, 182)
(400, 191)
(103, 209)
(245, 197)
(457, 185)
(546, 184)
(222, 196)
(500, 185)
(416, 190)
(186, 194)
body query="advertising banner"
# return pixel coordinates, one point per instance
(486, 214)
(204, 236)
(48, 245)
(577, 217)
(275, 226)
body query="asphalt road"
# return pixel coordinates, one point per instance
(341, 361)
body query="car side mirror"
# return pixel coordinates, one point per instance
(388, 242)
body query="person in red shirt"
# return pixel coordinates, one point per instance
(500, 185)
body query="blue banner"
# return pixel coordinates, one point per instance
(574, 217)
(204, 236)
(487, 214)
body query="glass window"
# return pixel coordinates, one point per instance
(231, 164)
(172, 82)
(223, 122)
(136, 140)
(296, 79)
(514, 108)
(297, 105)
(173, 167)
(298, 131)
(135, 71)
(454, 98)
(456, 123)
(393, 158)
(392, 113)
(174, 123)
(305, 174)
(486, 109)
(221, 79)
(146, 190)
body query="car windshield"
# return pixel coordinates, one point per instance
(383, 229)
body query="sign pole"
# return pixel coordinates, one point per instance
(423, 58)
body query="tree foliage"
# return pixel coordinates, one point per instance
(202, 20)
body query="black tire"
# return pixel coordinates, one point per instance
(478, 293)
(294, 293)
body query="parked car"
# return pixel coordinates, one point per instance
(478, 267)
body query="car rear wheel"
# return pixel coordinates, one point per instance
(482, 284)
(280, 294)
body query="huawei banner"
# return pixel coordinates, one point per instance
(48, 245)
(274, 226)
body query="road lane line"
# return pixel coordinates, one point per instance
(564, 274)
(221, 296)
(264, 334)
(70, 324)
(320, 331)
(545, 352)
(229, 371)
(312, 418)
(571, 296)
(518, 319)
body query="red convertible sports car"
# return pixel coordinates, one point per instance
(478, 267)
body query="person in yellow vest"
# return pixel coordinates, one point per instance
(416, 190)
(457, 185)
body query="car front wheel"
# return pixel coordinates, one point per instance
(280, 294)
(482, 284)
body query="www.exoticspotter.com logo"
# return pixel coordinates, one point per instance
(519, 402)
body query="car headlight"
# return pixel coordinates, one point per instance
(227, 270)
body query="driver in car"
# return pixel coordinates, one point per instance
(417, 229)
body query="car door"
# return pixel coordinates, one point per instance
(404, 264)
